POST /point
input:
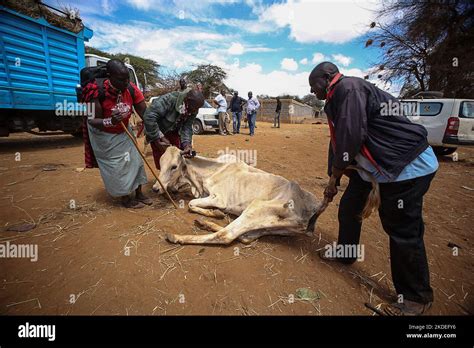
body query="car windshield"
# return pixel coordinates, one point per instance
(206, 104)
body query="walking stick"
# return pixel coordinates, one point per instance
(132, 138)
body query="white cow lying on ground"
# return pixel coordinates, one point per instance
(266, 204)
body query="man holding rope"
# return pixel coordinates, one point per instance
(107, 145)
(396, 152)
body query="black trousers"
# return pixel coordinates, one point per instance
(401, 215)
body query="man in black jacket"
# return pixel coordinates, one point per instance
(236, 109)
(366, 131)
(277, 113)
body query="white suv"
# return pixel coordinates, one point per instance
(207, 119)
(449, 122)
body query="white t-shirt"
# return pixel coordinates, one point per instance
(222, 103)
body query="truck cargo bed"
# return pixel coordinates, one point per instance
(39, 64)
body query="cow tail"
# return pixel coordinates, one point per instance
(373, 200)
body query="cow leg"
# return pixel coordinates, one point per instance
(208, 225)
(224, 236)
(199, 206)
(259, 215)
(249, 237)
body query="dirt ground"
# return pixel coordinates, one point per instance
(83, 267)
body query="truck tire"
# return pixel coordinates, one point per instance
(197, 127)
(444, 151)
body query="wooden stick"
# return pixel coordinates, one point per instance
(374, 309)
(132, 138)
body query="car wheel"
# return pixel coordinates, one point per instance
(444, 151)
(197, 127)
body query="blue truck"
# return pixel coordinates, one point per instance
(40, 68)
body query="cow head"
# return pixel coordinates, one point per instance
(172, 172)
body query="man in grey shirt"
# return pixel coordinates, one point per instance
(252, 108)
(221, 109)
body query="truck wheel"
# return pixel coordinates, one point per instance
(77, 134)
(197, 127)
(444, 151)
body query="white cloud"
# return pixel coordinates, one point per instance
(353, 72)
(141, 4)
(203, 11)
(259, 49)
(198, 11)
(304, 61)
(392, 88)
(247, 25)
(318, 58)
(108, 7)
(177, 47)
(236, 49)
(252, 78)
(321, 20)
(181, 47)
(342, 59)
(306, 19)
(289, 64)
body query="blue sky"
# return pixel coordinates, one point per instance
(265, 46)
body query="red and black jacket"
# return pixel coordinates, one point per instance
(390, 142)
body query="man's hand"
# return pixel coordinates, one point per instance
(331, 189)
(163, 141)
(187, 152)
(117, 117)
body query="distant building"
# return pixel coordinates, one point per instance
(292, 111)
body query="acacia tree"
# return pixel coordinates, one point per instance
(313, 101)
(211, 77)
(427, 44)
(141, 65)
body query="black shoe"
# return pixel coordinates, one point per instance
(345, 261)
(406, 308)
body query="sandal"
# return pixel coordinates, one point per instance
(133, 204)
(144, 199)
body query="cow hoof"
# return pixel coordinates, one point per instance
(246, 240)
(218, 214)
(199, 224)
(171, 238)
